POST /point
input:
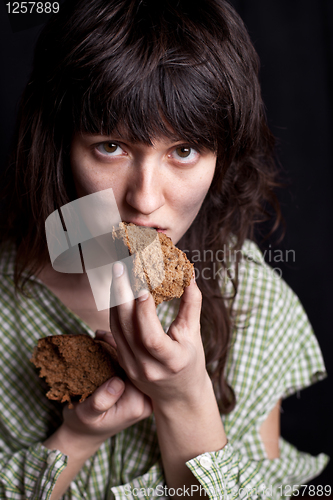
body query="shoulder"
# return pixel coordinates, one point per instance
(273, 344)
(261, 290)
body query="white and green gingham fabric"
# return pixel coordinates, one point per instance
(273, 353)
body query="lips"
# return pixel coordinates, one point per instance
(158, 228)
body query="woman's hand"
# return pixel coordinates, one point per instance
(114, 406)
(111, 408)
(169, 368)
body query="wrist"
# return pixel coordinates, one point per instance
(194, 400)
(200, 411)
(186, 431)
(75, 445)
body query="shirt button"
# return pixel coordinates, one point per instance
(206, 462)
(51, 458)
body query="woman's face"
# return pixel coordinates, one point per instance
(161, 186)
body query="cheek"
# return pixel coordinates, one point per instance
(80, 174)
(194, 193)
(82, 182)
(88, 178)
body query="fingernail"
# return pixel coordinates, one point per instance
(118, 269)
(115, 385)
(101, 332)
(143, 295)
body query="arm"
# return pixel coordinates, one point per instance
(270, 432)
(185, 432)
(111, 408)
(189, 424)
(171, 370)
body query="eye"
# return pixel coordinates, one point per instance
(110, 149)
(184, 154)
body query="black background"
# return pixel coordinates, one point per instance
(294, 39)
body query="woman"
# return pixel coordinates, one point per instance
(161, 103)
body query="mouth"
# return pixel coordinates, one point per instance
(158, 228)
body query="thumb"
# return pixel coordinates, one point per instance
(102, 399)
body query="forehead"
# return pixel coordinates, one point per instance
(166, 134)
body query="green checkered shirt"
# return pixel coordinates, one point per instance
(273, 354)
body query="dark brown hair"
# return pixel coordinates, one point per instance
(173, 68)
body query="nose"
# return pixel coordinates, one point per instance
(145, 189)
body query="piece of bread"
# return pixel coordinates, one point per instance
(157, 263)
(74, 365)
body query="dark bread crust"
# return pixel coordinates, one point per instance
(74, 365)
(157, 263)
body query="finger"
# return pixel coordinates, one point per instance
(148, 407)
(101, 400)
(121, 291)
(106, 337)
(190, 308)
(134, 402)
(126, 357)
(158, 344)
(122, 317)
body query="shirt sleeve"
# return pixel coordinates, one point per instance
(230, 474)
(149, 486)
(31, 473)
